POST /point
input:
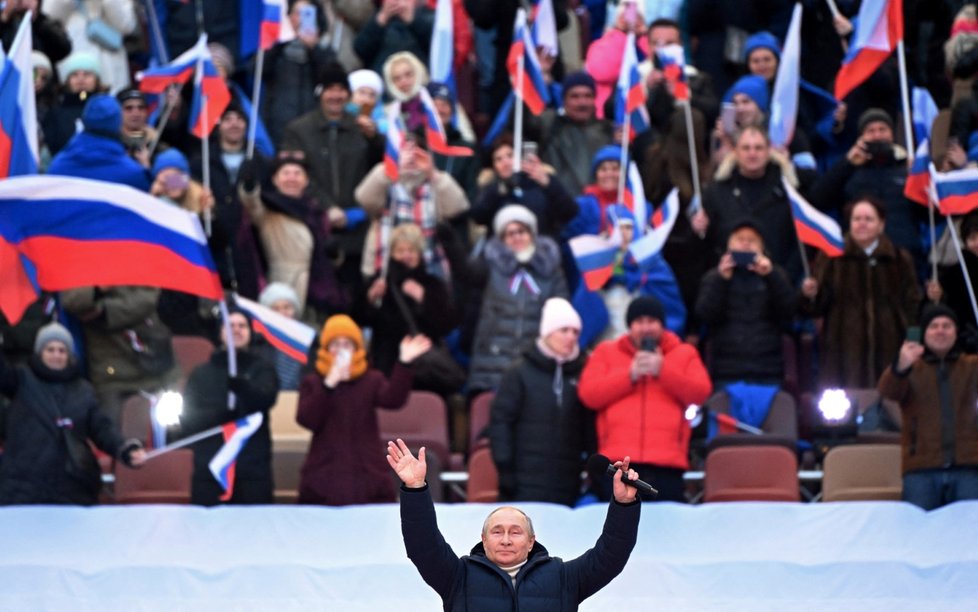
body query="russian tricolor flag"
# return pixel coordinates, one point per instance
(545, 27)
(630, 100)
(177, 72)
(441, 53)
(393, 143)
(275, 26)
(18, 112)
(532, 89)
(878, 30)
(595, 258)
(236, 434)
(814, 227)
(435, 131)
(784, 101)
(63, 232)
(673, 60)
(956, 191)
(917, 187)
(634, 197)
(287, 335)
(211, 94)
(648, 246)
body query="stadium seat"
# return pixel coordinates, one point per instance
(751, 473)
(135, 419)
(423, 421)
(862, 472)
(483, 485)
(780, 427)
(479, 414)
(290, 445)
(164, 479)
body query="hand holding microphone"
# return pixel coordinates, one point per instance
(626, 486)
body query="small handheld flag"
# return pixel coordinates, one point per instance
(236, 434)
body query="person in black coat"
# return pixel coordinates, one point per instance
(509, 569)
(746, 306)
(255, 389)
(45, 430)
(538, 430)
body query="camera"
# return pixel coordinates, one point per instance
(742, 259)
(879, 151)
(648, 344)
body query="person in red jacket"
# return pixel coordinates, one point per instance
(640, 384)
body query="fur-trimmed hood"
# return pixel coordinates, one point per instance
(726, 168)
(421, 75)
(545, 260)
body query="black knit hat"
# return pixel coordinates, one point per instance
(645, 306)
(932, 311)
(871, 115)
(332, 74)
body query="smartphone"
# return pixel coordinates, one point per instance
(728, 118)
(175, 181)
(913, 334)
(307, 20)
(648, 345)
(742, 259)
(631, 12)
(530, 148)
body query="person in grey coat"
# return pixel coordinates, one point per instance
(521, 270)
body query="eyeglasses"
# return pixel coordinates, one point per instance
(516, 231)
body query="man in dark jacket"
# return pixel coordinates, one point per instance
(747, 302)
(509, 569)
(937, 388)
(875, 166)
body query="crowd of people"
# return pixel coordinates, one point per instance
(457, 276)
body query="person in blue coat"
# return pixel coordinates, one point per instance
(98, 153)
(509, 569)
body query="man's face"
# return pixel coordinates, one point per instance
(745, 239)
(644, 327)
(506, 538)
(878, 131)
(134, 115)
(233, 128)
(662, 36)
(752, 154)
(333, 99)
(940, 335)
(579, 103)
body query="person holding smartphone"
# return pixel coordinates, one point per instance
(640, 384)
(337, 403)
(747, 303)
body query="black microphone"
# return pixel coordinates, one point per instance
(599, 463)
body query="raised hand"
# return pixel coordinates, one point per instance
(624, 493)
(413, 347)
(411, 471)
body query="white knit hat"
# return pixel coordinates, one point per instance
(514, 213)
(557, 314)
(366, 78)
(278, 291)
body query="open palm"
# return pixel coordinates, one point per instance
(411, 471)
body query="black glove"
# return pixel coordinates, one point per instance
(126, 453)
(248, 174)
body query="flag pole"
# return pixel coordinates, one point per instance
(205, 144)
(154, 24)
(626, 127)
(933, 239)
(255, 102)
(911, 150)
(518, 118)
(964, 266)
(197, 437)
(164, 117)
(232, 354)
(693, 160)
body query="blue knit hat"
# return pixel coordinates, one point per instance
(973, 147)
(605, 153)
(171, 158)
(762, 40)
(579, 78)
(755, 88)
(102, 115)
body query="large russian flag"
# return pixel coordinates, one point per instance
(64, 232)
(878, 30)
(956, 191)
(814, 227)
(784, 101)
(236, 434)
(595, 258)
(18, 112)
(533, 89)
(630, 101)
(648, 246)
(294, 338)
(177, 72)
(673, 59)
(545, 26)
(211, 93)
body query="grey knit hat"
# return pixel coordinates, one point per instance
(51, 332)
(278, 291)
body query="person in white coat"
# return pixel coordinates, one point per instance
(98, 27)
